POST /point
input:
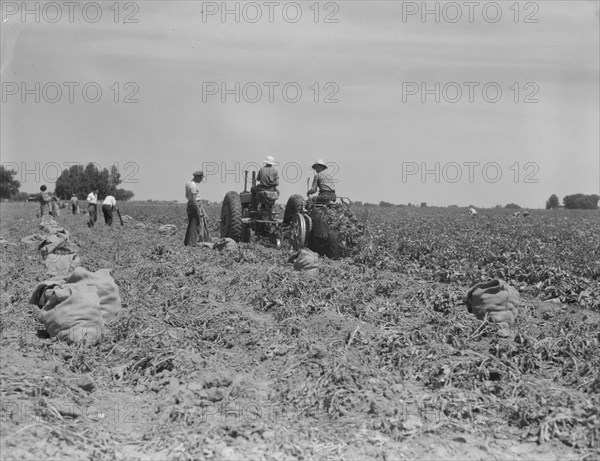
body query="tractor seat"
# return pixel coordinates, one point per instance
(267, 198)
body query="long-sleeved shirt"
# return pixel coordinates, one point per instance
(268, 178)
(322, 182)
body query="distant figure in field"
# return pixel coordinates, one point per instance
(516, 214)
(525, 214)
(92, 200)
(197, 229)
(108, 206)
(322, 183)
(472, 212)
(74, 204)
(43, 198)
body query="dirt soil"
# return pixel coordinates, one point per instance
(233, 355)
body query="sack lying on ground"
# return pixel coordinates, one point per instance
(306, 261)
(226, 244)
(167, 229)
(33, 239)
(59, 265)
(495, 298)
(57, 244)
(77, 308)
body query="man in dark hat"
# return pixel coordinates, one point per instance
(322, 183)
(197, 230)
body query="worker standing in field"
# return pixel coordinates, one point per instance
(74, 204)
(92, 200)
(322, 183)
(268, 177)
(197, 229)
(43, 198)
(108, 206)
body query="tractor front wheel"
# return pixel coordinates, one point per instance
(231, 216)
(292, 207)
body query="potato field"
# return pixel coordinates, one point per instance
(233, 355)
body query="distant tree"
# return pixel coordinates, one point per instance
(358, 203)
(581, 201)
(9, 186)
(512, 206)
(80, 180)
(123, 195)
(20, 197)
(552, 202)
(385, 204)
(423, 204)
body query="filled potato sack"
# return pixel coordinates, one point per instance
(496, 298)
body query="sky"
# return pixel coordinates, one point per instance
(449, 103)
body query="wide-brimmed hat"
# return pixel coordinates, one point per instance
(270, 161)
(198, 173)
(319, 162)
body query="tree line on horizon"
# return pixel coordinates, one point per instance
(81, 180)
(77, 180)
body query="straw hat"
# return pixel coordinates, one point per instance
(270, 161)
(320, 162)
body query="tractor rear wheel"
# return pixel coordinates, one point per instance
(231, 216)
(298, 231)
(293, 206)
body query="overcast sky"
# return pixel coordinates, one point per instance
(362, 107)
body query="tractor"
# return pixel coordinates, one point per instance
(310, 225)
(239, 218)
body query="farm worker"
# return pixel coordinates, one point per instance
(197, 230)
(322, 183)
(472, 212)
(74, 204)
(92, 200)
(44, 198)
(268, 179)
(108, 206)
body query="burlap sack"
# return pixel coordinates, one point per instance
(78, 308)
(226, 244)
(167, 229)
(57, 244)
(495, 298)
(61, 265)
(72, 314)
(305, 261)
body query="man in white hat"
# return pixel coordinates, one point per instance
(322, 183)
(268, 179)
